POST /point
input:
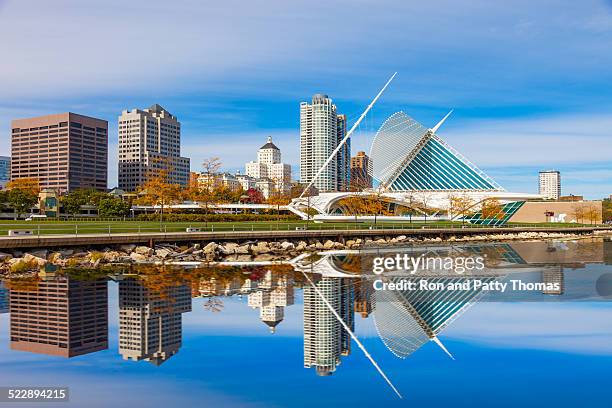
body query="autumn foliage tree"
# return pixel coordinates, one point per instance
(460, 206)
(492, 209)
(159, 189)
(22, 194)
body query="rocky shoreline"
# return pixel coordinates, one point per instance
(17, 262)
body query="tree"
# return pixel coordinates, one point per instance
(354, 204)
(254, 196)
(277, 197)
(22, 194)
(578, 212)
(158, 189)
(31, 185)
(460, 206)
(491, 209)
(22, 201)
(210, 168)
(592, 213)
(113, 207)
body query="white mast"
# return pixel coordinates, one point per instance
(363, 115)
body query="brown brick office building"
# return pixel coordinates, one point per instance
(60, 317)
(64, 151)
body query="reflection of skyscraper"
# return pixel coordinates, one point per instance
(324, 337)
(553, 274)
(363, 298)
(273, 294)
(4, 302)
(150, 323)
(62, 317)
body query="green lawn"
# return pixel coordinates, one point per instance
(88, 227)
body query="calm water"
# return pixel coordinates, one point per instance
(261, 335)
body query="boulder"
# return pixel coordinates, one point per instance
(301, 246)
(162, 252)
(137, 257)
(4, 257)
(143, 250)
(242, 249)
(128, 248)
(262, 247)
(329, 244)
(34, 259)
(211, 248)
(287, 246)
(228, 248)
(66, 252)
(39, 253)
(112, 256)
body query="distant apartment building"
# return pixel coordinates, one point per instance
(361, 171)
(4, 299)
(321, 131)
(150, 322)
(325, 339)
(269, 166)
(150, 141)
(60, 317)
(274, 292)
(550, 184)
(64, 152)
(5, 170)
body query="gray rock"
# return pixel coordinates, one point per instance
(135, 256)
(32, 258)
(287, 246)
(162, 252)
(40, 253)
(211, 248)
(144, 250)
(128, 248)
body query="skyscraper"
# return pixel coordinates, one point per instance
(550, 184)
(321, 130)
(150, 140)
(5, 170)
(325, 339)
(269, 166)
(361, 171)
(64, 152)
(60, 317)
(150, 322)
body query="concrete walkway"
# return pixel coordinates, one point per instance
(50, 241)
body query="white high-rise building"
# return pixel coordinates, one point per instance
(269, 166)
(150, 324)
(325, 339)
(321, 130)
(150, 140)
(550, 184)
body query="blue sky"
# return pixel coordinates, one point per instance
(529, 81)
(230, 359)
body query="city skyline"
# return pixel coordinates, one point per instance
(515, 75)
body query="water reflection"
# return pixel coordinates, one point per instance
(65, 313)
